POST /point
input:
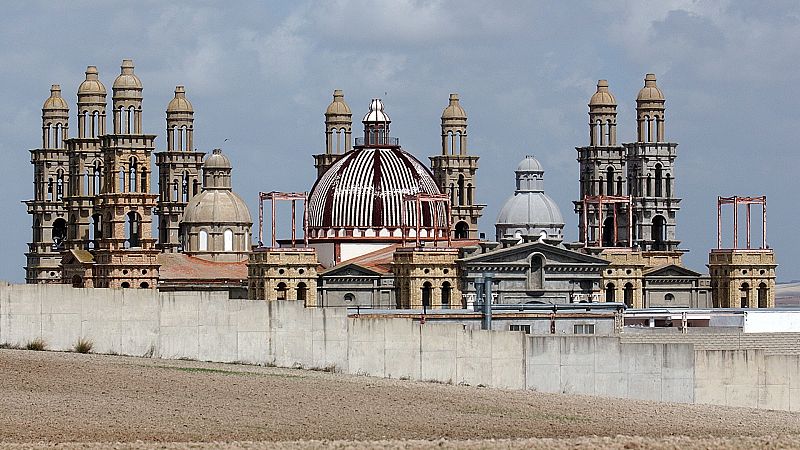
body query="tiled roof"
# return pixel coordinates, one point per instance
(178, 267)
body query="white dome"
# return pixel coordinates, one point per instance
(530, 212)
(217, 206)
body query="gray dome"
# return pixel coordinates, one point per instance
(217, 206)
(530, 212)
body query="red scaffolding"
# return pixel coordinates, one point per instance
(276, 196)
(736, 201)
(599, 201)
(434, 199)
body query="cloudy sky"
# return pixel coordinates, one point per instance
(261, 74)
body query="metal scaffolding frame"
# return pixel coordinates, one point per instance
(418, 200)
(736, 201)
(599, 200)
(285, 196)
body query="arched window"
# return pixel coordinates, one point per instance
(96, 178)
(77, 281)
(196, 187)
(227, 239)
(60, 185)
(608, 232)
(185, 187)
(659, 181)
(143, 183)
(96, 230)
(469, 194)
(610, 181)
(281, 290)
(659, 233)
(600, 186)
(175, 190)
(132, 175)
(649, 186)
(762, 295)
(446, 291)
(133, 230)
(610, 292)
(426, 294)
(121, 180)
(203, 241)
(628, 295)
(59, 233)
(452, 194)
(669, 298)
(745, 295)
(536, 273)
(460, 190)
(49, 189)
(144, 285)
(668, 184)
(302, 289)
(462, 230)
(349, 298)
(619, 186)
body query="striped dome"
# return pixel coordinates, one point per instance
(361, 198)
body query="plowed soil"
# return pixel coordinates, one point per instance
(66, 400)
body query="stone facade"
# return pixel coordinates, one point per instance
(427, 277)
(283, 274)
(742, 278)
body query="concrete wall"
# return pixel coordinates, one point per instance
(208, 326)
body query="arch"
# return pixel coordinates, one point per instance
(460, 190)
(669, 298)
(349, 298)
(95, 230)
(608, 232)
(77, 281)
(195, 187)
(610, 132)
(143, 180)
(659, 180)
(185, 187)
(125, 285)
(202, 245)
(610, 180)
(744, 292)
(302, 290)
(133, 230)
(144, 285)
(469, 194)
(50, 189)
(762, 295)
(619, 186)
(659, 233)
(281, 290)
(649, 186)
(461, 230)
(427, 290)
(132, 175)
(59, 233)
(175, 194)
(610, 292)
(600, 185)
(59, 184)
(447, 291)
(96, 177)
(536, 272)
(227, 240)
(668, 184)
(627, 295)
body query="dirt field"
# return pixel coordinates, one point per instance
(47, 399)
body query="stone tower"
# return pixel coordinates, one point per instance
(651, 174)
(126, 255)
(86, 164)
(454, 172)
(338, 130)
(602, 173)
(178, 171)
(50, 179)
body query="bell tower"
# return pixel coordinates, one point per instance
(338, 133)
(178, 171)
(454, 172)
(602, 176)
(50, 179)
(651, 174)
(86, 164)
(126, 256)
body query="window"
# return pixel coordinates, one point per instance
(203, 238)
(426, 294)
(524, 328)
(301, 291)
(446, 289)
(133, 230)
(583, 328)
(762, 295)
(349, 298)
(281, 291)
(669, 298)
(462, 230)
(228, 240)
(610, 292)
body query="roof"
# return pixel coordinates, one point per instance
(177, 267)
(82, 256)
(338, 105)
(92, 84)
(179, 103)
(603, 97)
(376, 113)
(454, 110)
(650, 91)
(55, 101)
(380, 261)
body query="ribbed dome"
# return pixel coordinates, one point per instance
(92, 83)
(55, 101)
(530, 212)
(338, 105)
(454, 109)
(217, 161)
(180, 103)
(650, 91)
(376, 113)
(217, 206)
(603, 97)
(363, 193)
(127, 79)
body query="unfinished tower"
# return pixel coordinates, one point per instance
(178, 171)
(454, 172)
(126, 255)
(50, 178)
(742, 276)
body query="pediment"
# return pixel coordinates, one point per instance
(671, 270)
(349, 270)
(72, 257)
(521, 252)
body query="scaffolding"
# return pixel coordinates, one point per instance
(433, 199)
(282, 196)
(599, 201)
(748, 202)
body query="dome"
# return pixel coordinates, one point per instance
(180, 103)
(603, 97)
(55, 101)
(338, 105)
(454, 109)
(217, 206)
(376, 113)
(127, 79)
(217, 161)
(650, 92)
(92, 83)
(530, 212)
(362, 195)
